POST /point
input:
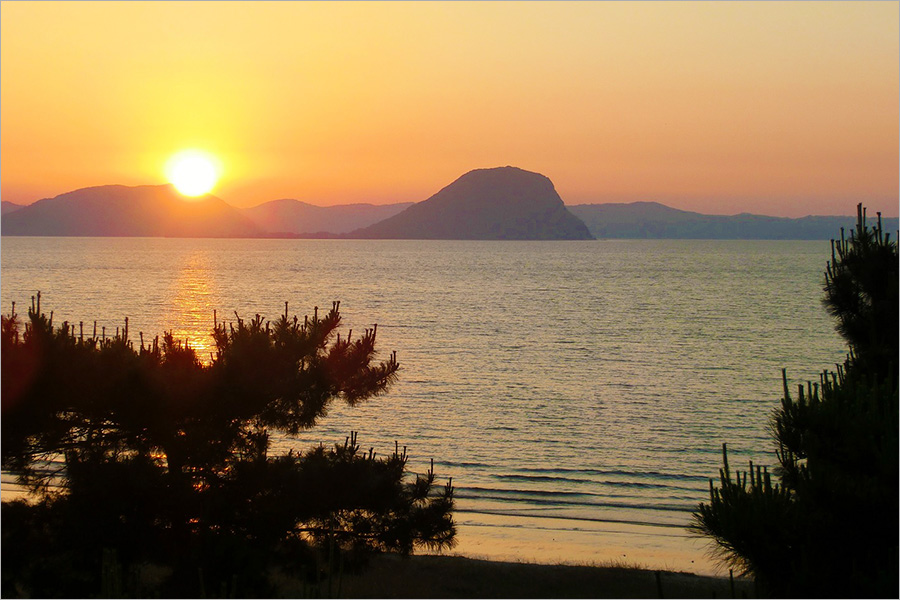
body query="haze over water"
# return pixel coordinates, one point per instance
(577, 392)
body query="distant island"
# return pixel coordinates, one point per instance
(651, 220)
(503, 203)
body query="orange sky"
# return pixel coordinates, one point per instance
(773, 108)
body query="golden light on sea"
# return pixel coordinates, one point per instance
(192, 299)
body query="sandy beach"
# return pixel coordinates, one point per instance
(505, 538)
(427, 576)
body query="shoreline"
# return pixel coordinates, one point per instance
(549, 540)
(552, 540)
(452, 576)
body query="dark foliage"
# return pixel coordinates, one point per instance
(861, 293)
(828, 526)
(150, 454)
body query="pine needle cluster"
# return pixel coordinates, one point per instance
(145, 450)
(827, 524)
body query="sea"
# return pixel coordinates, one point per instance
(578, 393)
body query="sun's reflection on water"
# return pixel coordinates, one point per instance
(193, 299)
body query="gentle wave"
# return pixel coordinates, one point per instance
(562, 499)
(582, 381)
(563, 474)
(563, 518)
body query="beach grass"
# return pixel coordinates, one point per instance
(430, 576)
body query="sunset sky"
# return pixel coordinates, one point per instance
(773, 108)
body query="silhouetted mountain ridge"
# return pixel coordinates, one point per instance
(651, 220)
(8, 207)
(503, 203)
(295, 217)
(118, 210)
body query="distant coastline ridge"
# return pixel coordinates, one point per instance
(652, 220)
(503, 203)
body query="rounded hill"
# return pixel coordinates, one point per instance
(118, 210)
(504, 203)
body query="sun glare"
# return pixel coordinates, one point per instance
(192, 172)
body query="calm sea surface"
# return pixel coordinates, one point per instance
(565, 386)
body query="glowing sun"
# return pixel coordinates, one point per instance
(192, 172)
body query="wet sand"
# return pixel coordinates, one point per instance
(553, 541)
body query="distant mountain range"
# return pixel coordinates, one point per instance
(651, 220)
(500, 203)
(8, 207)
(300, 218)
(118, 210)
(160, 211)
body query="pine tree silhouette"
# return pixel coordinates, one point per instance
(149, 452)
(827, 526)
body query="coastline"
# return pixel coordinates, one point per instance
(503, 556)
(550, 540)
(529, 539)
(442, 576)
